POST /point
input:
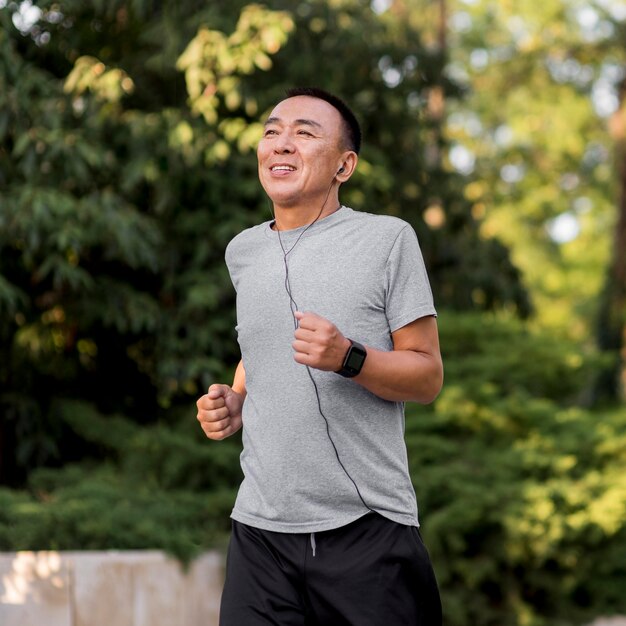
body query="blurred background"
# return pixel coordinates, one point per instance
(127, 163)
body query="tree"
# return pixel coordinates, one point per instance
(611, 327)
(127, 164)
(112, 277)
(532, 133)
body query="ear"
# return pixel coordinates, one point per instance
(347, 165)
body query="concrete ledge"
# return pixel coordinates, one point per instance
(136, 588)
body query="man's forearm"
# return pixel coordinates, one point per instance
(402, 375)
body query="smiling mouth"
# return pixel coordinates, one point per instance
(282, 168)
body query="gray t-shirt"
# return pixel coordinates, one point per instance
(364, 273)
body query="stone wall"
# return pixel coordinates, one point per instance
(142, 588)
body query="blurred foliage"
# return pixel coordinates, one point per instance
(547, 164)
(127, 135)
(522, 494)
(161, 487)
(523, 504)
(542, 160)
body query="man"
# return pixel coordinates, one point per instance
(337, 329)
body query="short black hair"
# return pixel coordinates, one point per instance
(352, 129)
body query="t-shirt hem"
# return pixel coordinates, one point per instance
(317, 527)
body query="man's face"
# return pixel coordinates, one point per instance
(300, 152)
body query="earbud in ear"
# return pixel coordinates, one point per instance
(341, 170)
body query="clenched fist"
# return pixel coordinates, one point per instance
(219, 412)
(318, 342)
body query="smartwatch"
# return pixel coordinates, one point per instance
(353, 361)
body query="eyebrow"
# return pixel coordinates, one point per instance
(298, 122)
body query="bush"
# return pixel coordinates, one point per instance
(99, 510)
(163, 487)
(523, 498)
(522, 494)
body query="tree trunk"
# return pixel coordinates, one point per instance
(611, 332)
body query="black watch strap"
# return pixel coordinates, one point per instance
(353, 361)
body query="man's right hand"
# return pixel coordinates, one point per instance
(219, 412)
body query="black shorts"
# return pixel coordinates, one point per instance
(373, 572)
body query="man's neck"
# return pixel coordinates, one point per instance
(296, 217)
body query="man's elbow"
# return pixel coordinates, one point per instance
(431, 385)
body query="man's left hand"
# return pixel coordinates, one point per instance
(318, 343)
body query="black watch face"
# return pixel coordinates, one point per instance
(355, 360)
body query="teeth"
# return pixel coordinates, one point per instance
(286, 168)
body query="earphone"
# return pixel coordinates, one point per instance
(341, 170)
(294, 307)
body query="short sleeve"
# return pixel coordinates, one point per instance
(408, 292)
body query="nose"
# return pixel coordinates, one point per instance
(284, 143)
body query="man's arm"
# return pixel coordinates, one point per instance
(239, 380)
(412, 371)
(219, 410)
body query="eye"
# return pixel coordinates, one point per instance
(306, 133)
(269, 131)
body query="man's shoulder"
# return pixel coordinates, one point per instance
(380, 224)
(248, 236)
